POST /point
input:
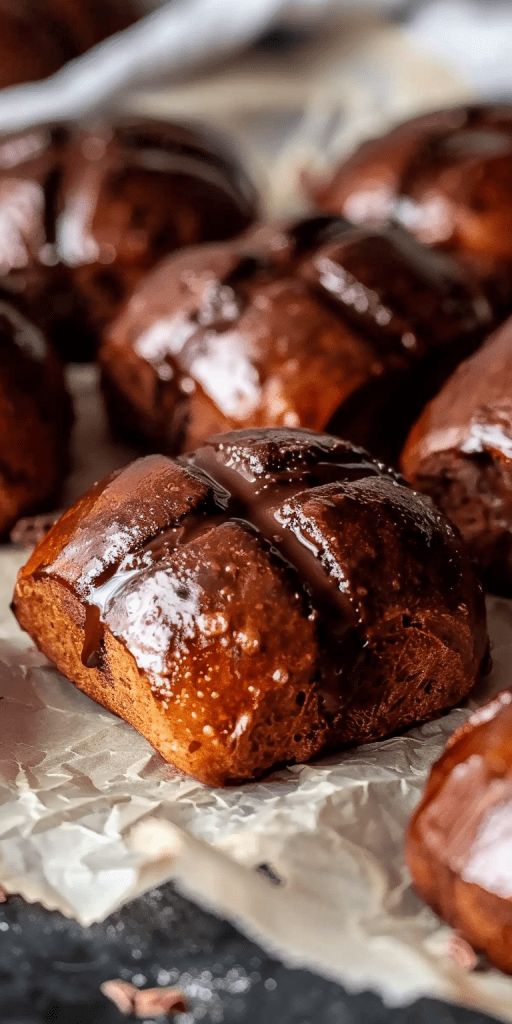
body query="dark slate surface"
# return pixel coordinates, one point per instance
(51, 970)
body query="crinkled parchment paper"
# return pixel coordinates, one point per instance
(310, 862)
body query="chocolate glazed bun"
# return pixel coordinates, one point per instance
(458, 846)
(30, 272)
(460, 452)
(447, 177)
(38, 36)
(35, 419)
(317, 324)
(273, 595)
(87, 214)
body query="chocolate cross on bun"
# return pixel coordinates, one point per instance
(271, 596)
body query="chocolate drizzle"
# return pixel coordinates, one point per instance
(239, 487)
(258, 505)
(406, 298)
(93, 636)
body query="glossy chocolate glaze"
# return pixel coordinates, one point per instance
(389, 285)
(459, 839)
(257, 494)
(290, 325)
(134, 193)
(130, 551)
(85, 213)
(460, 452)
(446, 176)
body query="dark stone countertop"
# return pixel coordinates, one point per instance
(51, 970)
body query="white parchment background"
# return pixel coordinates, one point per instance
(90, 816)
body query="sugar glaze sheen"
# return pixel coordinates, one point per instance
(273, 595)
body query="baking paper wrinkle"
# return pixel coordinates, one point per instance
(91, 816)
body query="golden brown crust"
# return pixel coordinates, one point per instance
(458, 846)
(274, 595)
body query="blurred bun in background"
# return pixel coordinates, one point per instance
(315, 324)
(446, 176)
(35, 419)
(85, 212)
(29, 47)
(38, 36)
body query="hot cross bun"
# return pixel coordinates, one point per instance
(271, 596)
